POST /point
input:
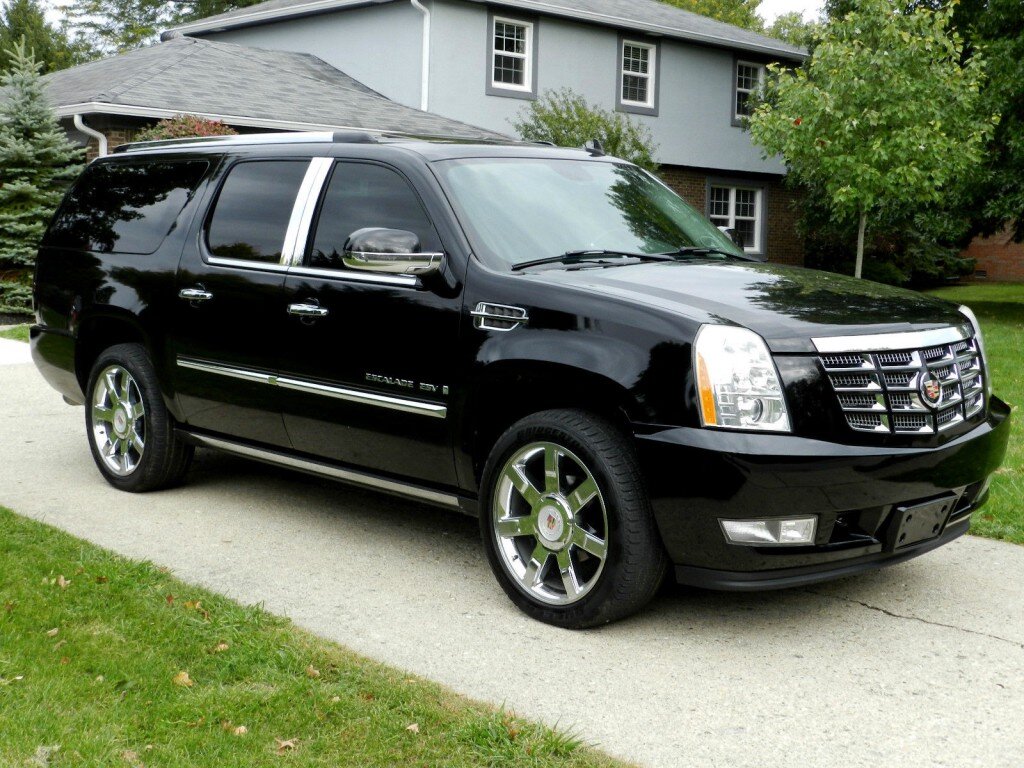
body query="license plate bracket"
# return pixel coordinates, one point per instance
(916, 523)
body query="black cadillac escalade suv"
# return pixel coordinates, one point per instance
(547, 338)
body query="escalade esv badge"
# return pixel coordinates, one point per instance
(634, 397)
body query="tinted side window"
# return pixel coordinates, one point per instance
(252, 211)
(125, 207)
(362, 195)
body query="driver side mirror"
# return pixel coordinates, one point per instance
(392, 251)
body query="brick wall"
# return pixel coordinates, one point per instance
(784, 245)
(998, 258)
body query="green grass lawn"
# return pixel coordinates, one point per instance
(1000, 310)
(18, 333)
(109, 662)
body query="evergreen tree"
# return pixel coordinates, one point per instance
(37, 162)
(51, 47)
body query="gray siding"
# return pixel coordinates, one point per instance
(377, 45)
(380, 46)
(693, 126)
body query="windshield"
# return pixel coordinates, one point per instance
(519, 209)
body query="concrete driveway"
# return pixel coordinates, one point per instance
(920, 665)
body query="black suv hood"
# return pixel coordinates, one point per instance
(786, 305)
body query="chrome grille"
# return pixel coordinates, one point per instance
(884, 391)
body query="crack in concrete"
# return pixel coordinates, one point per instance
(895, 615)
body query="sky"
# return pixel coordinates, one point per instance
(769, 9)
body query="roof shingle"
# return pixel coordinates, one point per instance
(190, 75)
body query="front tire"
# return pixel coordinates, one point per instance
(566, 522)
(130, 431)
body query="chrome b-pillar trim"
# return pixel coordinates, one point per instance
(354, 477)
(302, 210)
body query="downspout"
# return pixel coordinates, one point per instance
(425, 65)
(101, 139)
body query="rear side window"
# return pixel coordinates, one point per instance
(125, 207)
(252, 211)
(362, 195)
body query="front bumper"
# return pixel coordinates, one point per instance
(696, 477)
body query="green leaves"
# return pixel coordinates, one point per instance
(37, 162)
(885, 112)
(566, 120)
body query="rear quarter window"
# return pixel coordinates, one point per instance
(251, 215)
(125, 207)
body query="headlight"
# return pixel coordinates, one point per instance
(737, 383)
(966, 312)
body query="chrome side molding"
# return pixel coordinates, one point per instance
(433, 410)
(351, 476)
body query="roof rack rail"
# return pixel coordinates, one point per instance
(285, 137)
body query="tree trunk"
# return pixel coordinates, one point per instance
(860, 244)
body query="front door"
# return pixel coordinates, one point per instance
(367, 359)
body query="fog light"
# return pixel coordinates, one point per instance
(777, 532)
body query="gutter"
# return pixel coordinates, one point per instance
(425, 64)
(138, 110)
(101, 138)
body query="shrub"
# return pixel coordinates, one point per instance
(566, 120)
(184, 127)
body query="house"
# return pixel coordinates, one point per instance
(687, 77)
(103, 103)
(997, 257)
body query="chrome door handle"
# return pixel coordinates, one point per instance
(307, 310)
(194, 294)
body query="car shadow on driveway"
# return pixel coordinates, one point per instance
(424, 537)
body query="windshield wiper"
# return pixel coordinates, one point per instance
(701, 250)
(592, 254)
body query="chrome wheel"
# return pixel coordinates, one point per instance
(550, 523)
(118, 420)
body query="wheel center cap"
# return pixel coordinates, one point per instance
(120, 422)
(550, 524)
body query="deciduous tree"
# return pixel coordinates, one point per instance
(885, 113)
(50, 45)
(742, 13)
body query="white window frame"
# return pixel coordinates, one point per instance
(651, 74)
(526, 56)
(758, 217)
(750, 92)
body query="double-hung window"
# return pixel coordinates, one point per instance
(749, 81)
(740, 209)
(512, 57)
(638, 72)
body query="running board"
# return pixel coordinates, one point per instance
(322, 469)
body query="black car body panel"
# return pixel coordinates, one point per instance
(241, 370)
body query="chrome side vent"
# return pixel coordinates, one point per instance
(918, 391)
(498, 317)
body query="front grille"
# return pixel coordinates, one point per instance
(888, 392)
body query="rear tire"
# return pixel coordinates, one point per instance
(566, 521)
(130, 431)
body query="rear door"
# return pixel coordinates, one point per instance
(366, 381)
(226, 329)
